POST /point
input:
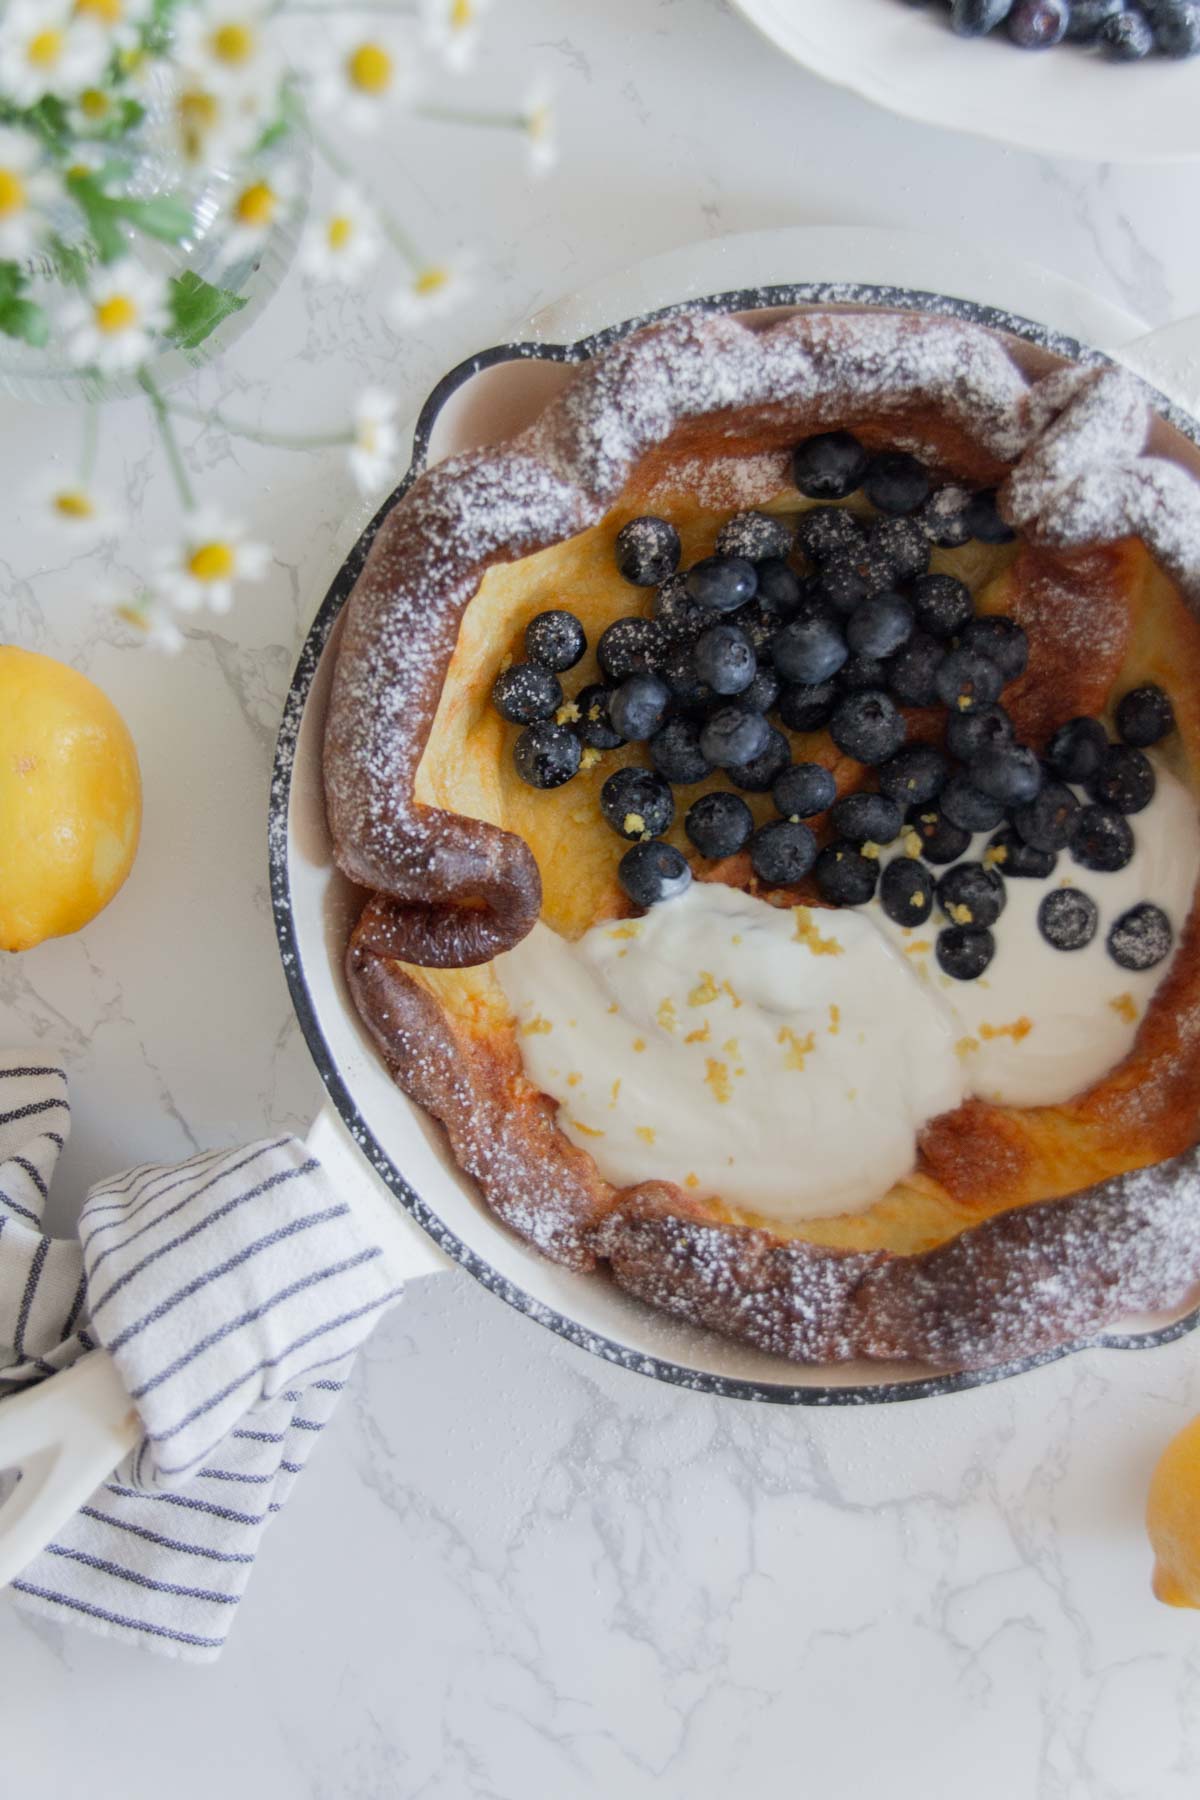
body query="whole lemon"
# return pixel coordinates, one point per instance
(1173, 1519)
(70, 799)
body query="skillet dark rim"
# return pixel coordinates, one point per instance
(678, 1375)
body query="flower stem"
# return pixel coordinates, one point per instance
(87, 454)
(397, 7)
(279, 440)
(465, 115)
(391, 226)
(169, 441)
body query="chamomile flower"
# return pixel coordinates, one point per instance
(540, 123)
(213, 554)
(435, 289)
(372, 454)
(340, 244)
(117, 19)
(206, 123)
(360, 72)
(44, 49)
(225, 42)
(253, 205)
(25, 192)
(90, 111)
(153, 622)
(451, 28)
(114, 325)
(74, 510)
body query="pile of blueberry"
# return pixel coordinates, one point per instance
(836, 623)
(1124, 29)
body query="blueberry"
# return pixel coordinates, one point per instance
(842, 585)
(964, 951)
(782, 852)
(967, 680)
(676, 754)
(912, 672)
(880, 626)
(525, 693)
(941, 841)
(1125, 779)
(970, 894)
(1001, 640)
(972, 18)
(944, 517)
(983, 519)
(896, 482)
(632, 646)
(1047, 821)
(546, 755)
(556, 640)
(1144, 716)
(724, 659)
(867, 818)
(858, 672)
(758, 774)
(867, 726)
(647, 551)
(719, 825)
(652, 872)
(778, 588)
(1010, 773)
(1038, 24)
(1075, 749)
(594, 725)
(638, 707)
(845, 876)
(1141, 938)
(734, 735)
(637, 803)
(1009, 853)
(914, 775)
(828, 533)
(804, 790)
(942, 604)
(1101, 838)
(722, 583)
(969, 807)
(763, 691)
(808, 650)
(808, 705)
(692, 695)
(904, 546)
(906, 891)
(1176, 26)
(829, 466)
(1067, 918)
(1087, 16)
(967, 734)
(681, 618)
(1127, 37)
(754, 535)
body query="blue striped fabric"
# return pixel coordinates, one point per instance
(232, 1291)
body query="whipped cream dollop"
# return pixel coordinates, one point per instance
(786, 1060)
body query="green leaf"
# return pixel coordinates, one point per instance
(101, 215)
(71, 263)
(24, 319)
(12, 280)
(198, 308)
(163, 217)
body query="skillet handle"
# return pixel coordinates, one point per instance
(1168, 358)
(407, 1251)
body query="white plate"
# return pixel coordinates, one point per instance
(1063, 102)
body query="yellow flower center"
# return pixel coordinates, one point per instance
(117, 313)
(368, 437)
(538, 123)
(93, 104)
(197, 111)
(45, 48)
(257, 204)
(109, 12)
(211, 562)
(462, 15)
(431, 280)
(73, 503)
(133, 615)
(232, 43)
(370, 68)
(339, 231)
(12, 192)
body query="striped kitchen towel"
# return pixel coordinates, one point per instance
(232, 1291)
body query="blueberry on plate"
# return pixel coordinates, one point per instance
(914, 775)
(1067, 918)
(779, 588)
(1009, 853)
(757, 776)
(941, 840)
(968, 806)
(555, 639)
(912, 672)
(842, 585)
(807, 706)
(1124, 779)
(859, 672)
(896, 483)
(546, 754)
(845, 876)
(651, 872)
(1144, 716)
(1126, 37)
(719, 825)
(632, 646)
(942, 604)
(866, 819)
(972, 18)
(733, 735)
(647, 551)
(754, 535)
(1047, 821)
(829, 466)
(1001, 640)
(880, 626)
(906, 891)
(691, 695)
(1176, 26)
(782, 852)
(1141, 938)
(969, 734)
(944, 517)
(903, 544)
(725, 659)
(638, 707)
(867, 726)
(637, 802)
(1101, 838)
(681, 618)
(722, 583)
(1087, 16)
(1010, 773)
(525, 693)
(763, 691)
(828, 533)
(970, 894)
(984, 521)
(804, 790)
(1038, 24)
(1075, 749)
(964, 951)
(676, 754)
(967, 680)
(808, 650)
(594, 726)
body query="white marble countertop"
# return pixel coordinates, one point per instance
(513, 1571)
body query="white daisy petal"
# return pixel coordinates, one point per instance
(228, 45)
(157, 628)
(252, 208)
(46, 49)
(27, 192)
(358, 71)
(372, 455)
(341, 244)
(541, 128)
(451, 28)
(203, 568)
(114, 326)
(76, 511)
(433, 291)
